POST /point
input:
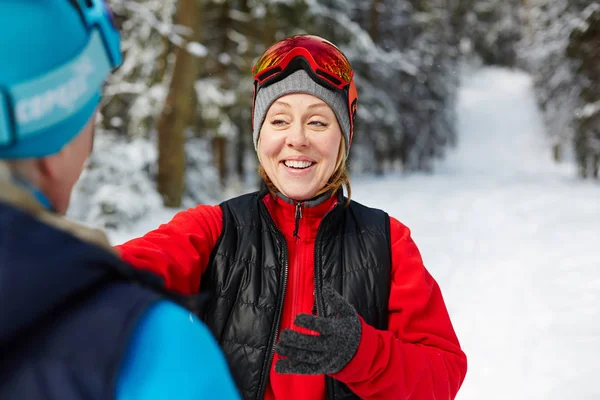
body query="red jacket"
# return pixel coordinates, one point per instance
(417, 358)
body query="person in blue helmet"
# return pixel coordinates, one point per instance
(75, 321)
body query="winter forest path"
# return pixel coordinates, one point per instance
(514, 241)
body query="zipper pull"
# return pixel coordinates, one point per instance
(298, 216)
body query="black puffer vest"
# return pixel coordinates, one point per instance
(247, 276)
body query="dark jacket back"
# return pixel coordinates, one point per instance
(67, 309)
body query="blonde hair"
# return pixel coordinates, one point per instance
(339, 178)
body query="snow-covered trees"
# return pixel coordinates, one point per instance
(406, 73)
(561, 50)
(406, 55)
(492, 29)
(403, 51)
(584, 49)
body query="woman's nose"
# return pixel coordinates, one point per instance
(297, 136)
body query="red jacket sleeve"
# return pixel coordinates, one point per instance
(179, 251)
(419, 356)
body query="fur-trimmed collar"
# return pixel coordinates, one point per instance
(20, 198)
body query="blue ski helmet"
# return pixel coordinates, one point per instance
(54, 58)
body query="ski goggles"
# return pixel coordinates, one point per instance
(327, 63)
(30, 107)
(321, 59)
(98, 14)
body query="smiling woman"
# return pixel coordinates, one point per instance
(300, 147)
(313, 296)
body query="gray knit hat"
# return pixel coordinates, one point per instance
(300, 82)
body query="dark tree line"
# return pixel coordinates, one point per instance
(186, 82)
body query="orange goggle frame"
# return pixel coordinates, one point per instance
(326, 64)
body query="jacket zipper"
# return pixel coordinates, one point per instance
(298, 217)
(269, 360)
(319, 302)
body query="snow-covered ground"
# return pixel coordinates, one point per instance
(513, 240)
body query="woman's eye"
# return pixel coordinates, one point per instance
(278, 122)
(318, 123)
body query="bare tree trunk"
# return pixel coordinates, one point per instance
(243, 142)
(240, 152)
(268, 37)
(176, 114)
(557, 152)
(220, 141)
(220, 151)
(374, 25)
(379, 161)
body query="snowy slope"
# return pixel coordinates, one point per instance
(513, 240)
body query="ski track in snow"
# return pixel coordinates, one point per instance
(512, 239)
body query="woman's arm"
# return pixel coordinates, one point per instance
(419, 356)
(178, 251)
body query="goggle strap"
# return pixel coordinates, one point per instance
(299, 62)
(6, 136)
(55, 96)
(98, 13)
(292, 56)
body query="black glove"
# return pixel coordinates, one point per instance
(327, 353)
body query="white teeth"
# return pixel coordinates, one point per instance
(297, 164)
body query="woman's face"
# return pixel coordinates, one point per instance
(299, 145)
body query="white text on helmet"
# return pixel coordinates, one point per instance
(63, 96)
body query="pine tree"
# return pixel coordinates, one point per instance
(584, 48)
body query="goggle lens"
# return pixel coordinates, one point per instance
(327, 57)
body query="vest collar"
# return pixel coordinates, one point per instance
(315, 201)
(299, 219)
(34, 192)
(20, 196)
(17, 193)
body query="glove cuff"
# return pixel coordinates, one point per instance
(364, 355)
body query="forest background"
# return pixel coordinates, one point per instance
(175, 123)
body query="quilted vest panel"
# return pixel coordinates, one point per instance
(248, 269)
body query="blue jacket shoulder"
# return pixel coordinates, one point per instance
(173, 355)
